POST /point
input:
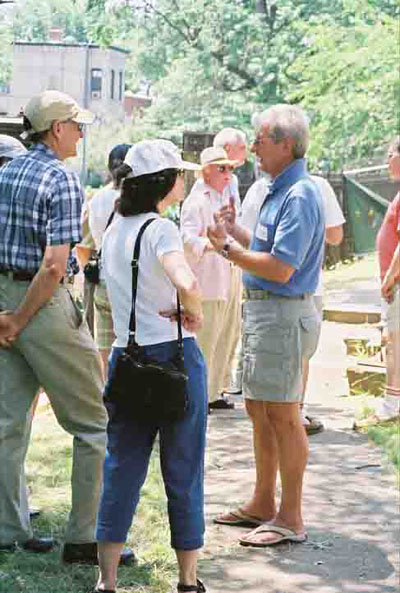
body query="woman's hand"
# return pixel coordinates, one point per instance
(191, 323)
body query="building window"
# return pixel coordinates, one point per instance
(112, 84)
(96, 78)
(120, 85)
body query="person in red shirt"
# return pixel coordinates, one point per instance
(389, 263)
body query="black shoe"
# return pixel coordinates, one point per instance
(198, 588)
(221, 404)
(87, 554)
(40, 545)
(34, 514)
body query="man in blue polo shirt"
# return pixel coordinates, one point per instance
(281, 267)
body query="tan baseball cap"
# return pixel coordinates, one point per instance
(51, 106)
(215, 156)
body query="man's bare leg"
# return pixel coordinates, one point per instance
(262, 504)
(292, 454)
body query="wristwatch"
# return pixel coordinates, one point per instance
(225, 250)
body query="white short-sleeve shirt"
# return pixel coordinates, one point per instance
(333, 214)
(155, 290)
(99, 208)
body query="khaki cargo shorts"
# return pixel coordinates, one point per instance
(277, 334)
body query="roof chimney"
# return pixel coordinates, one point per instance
(56, 34)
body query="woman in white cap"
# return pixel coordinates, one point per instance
(10, 148)
(154, 182)
(219, 280)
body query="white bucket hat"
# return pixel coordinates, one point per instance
(51, 106)
(215, 155)
(151, 156)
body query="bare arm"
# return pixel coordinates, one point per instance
(39, 292)
(391, 275)
(334, 235)
(257, 263)
(182, 277)
(83, 255)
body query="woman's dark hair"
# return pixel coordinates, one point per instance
(119, 174)
(142, 194)
(116, 161)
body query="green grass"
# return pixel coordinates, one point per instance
(388, 437)
(48, 472)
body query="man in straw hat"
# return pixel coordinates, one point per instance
(219, 280)
(43, 337)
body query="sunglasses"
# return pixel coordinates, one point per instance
(181, 172)
(80, 127)
(223, 168)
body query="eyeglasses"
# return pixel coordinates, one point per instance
(223, 168)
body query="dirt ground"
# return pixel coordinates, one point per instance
(351, 500)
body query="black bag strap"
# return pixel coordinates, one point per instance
(135, 273)
(109, 221)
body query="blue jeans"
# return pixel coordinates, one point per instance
(182, 447)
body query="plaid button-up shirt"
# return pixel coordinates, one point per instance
(40, 205)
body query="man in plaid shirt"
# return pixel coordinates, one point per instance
(43, 338)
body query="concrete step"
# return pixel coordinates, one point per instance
(366, 379)
(349, 313)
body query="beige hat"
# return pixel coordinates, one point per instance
(51, 106)
(215, 156)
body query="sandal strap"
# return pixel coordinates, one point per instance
(199, 588)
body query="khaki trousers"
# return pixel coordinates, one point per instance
(57, 352)
(219, 335)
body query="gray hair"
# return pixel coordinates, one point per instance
(285, 121)
(229, 136)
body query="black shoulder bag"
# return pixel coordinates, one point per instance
(142, 388)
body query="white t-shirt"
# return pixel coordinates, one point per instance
(252, 203)
(333, 214)
(100, 207)
(155, 291)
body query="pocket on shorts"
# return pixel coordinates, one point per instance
(311, 326)
(275, 343)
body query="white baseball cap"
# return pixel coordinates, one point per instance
(10, 147)
(50, 106)
(215, 155)
(151, 156)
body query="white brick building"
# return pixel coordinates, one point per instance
(65, 67)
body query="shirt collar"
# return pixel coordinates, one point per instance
(292, 173)
(45, 151)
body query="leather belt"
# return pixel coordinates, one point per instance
(27, 276)
(254, 294)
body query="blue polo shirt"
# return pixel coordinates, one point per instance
(291, 227)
